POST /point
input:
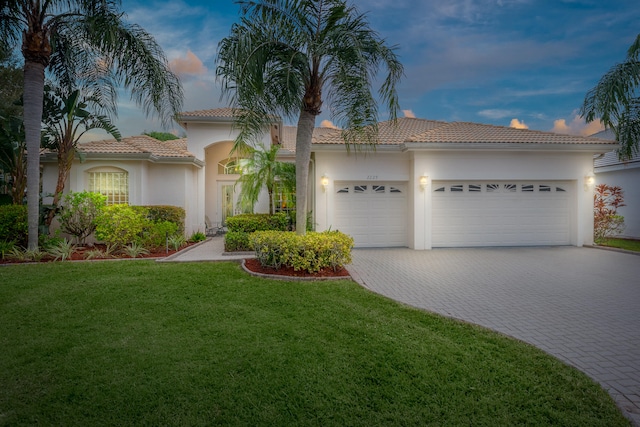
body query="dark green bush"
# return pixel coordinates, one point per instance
(235, 241)
(248, 223)
(5, 199)
(14, 225)
(157, 233)
(160, 213)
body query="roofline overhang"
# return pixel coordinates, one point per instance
(52, 158)
(617, 167)
(501, 146)
(372, 148)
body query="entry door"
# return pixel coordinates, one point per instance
(227, 200)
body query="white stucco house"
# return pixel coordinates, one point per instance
(426, 184)
(610, 170)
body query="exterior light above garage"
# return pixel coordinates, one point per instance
(423, 182)
(324, 181)
(589, 180)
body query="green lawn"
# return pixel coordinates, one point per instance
(628, 244)
(142, 343)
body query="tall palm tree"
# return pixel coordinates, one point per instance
(262, 169)
(282, 57)
(82, 39)
(67, 116)
(616, 100)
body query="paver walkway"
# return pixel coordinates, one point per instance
(581, 305)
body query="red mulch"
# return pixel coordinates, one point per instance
(80, 252)
(254, 265)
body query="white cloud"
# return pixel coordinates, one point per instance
(189, 65)
(577, 126)
(409, 114)
(328, 124)
(517, 124)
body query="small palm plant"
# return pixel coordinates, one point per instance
(134, 250)
(62, 251)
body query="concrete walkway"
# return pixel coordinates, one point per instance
(581, 305)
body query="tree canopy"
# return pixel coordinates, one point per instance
(83, 42)
(286, 58)
(616, 101)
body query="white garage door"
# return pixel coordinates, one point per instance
(374, 214)
(501, 213)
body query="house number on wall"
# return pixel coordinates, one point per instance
(372, 176)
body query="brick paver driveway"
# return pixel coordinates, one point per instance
(581, 305)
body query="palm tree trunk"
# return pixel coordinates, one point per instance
(65, 160)
(33, 99)
(306, 123)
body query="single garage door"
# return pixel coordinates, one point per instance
(374, 214)
(501, 213)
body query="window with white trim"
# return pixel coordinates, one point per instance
(114, 185)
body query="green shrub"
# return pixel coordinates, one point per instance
(311, 252)
(177, 241)
(79, 212)
(157, 233)
(235, 241)
(134, 250)
(248, 223)
(198, 236)
(5, 248)
(61, 251)
(120, 225)
(241, 226)
(161, 213)
(5, 199)
(13, 224)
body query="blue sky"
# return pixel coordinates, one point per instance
(503, 62)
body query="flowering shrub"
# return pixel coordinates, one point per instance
(311, 252)
(606, 221)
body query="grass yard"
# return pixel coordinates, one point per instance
(628, 244)
(142, 343)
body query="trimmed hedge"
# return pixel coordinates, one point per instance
(248, 223)
(14, 225)
(311, 252)
(241, 226)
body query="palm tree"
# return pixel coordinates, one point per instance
(616, 100)
(68, 116)
(82, 40)
(260, 170)
(281, 57)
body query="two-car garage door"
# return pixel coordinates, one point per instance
(500, 213)
(464, 213)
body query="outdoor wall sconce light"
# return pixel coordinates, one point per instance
(423, 182)
(589, 180)
(324, 181)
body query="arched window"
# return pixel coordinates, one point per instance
(111, 182)
(229, 167)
